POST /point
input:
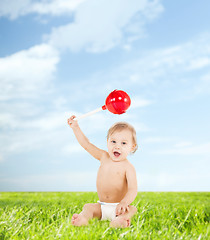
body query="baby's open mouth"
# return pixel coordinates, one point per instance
(117, 154)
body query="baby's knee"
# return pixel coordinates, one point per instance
(88, 206)
(93, 208)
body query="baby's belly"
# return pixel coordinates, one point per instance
(111, 189)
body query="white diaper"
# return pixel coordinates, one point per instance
(108, 210)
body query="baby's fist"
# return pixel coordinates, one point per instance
(121, 208)
(72, 123)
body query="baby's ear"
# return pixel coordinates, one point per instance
(134, 148)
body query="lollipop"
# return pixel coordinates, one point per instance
(117, 102)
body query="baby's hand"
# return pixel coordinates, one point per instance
(72, 123)
(122, 208)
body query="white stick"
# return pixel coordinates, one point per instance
(89, 113)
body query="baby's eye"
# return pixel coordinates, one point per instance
(124, 143)
(113, 141)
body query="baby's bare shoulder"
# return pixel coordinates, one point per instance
(129, 166)
(105, 156)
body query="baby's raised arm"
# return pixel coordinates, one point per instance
(83, 140)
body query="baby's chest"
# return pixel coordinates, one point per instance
(112, 171)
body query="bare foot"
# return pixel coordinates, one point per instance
(79, 220)
(120, 222)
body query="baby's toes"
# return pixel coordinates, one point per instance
(128, 223)
(74, 217)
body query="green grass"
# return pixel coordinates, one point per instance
(48, 216)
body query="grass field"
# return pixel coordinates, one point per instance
(48, 216)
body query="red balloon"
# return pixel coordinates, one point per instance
(117, 102)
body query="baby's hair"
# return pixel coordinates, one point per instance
(119, 126)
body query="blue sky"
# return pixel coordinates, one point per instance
(59, 58)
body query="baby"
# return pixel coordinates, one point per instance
(116, 179)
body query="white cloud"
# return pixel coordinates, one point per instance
(139, 102)
(13, 8)
(183, 144)
(48, 122)
(27, 72)
(66, 181)
(203, 86)
(37, 141)
(24, 76)
(56, 7)
(140, 127)
(167, 181)
(72, 148)
(178, 72)
(151, 140)
(16, 8)
(199, 63)
(99, 27)
(181, 149)
(28, 133)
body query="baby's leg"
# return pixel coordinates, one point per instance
(123, 220)
(90, 210)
